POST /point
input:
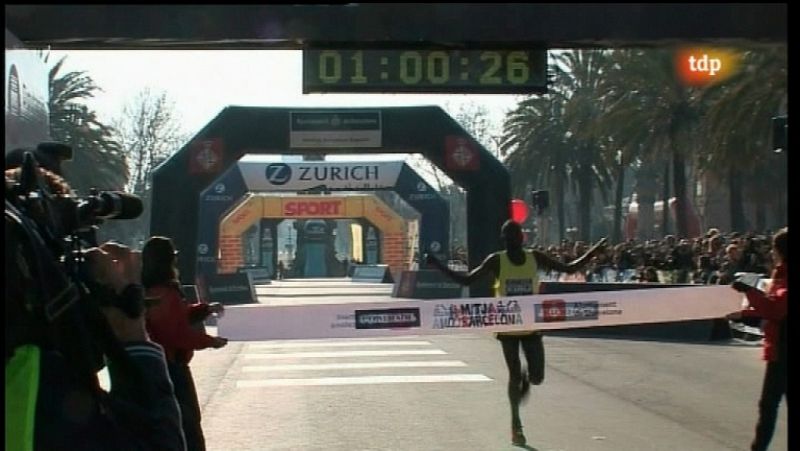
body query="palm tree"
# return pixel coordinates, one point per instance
(578, 77)
(553, 140)
(649, 109)
(738, 127)
(98, 160)
(538, 143)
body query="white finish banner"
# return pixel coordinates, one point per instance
(394, 317)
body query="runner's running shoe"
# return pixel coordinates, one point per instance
(517, 437)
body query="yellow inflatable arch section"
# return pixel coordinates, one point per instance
(394, 236)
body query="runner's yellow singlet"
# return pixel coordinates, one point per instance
(516, 280)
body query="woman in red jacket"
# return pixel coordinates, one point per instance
(169, 324)
(772, 307)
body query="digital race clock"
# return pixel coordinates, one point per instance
(517, 71)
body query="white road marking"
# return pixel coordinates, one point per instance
(336, 344)
(364, 380)
(351, 366)
(333, 354)
(313, 341)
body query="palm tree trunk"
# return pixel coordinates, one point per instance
(761, 216)
(646, 189)
(585, 201)
(617, 232)
(779, 209)
(559, 192)
(738, 221)
(665, 204)
(679, 185)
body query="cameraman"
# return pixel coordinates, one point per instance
(60, 331)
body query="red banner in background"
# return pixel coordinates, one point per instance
(206, 157)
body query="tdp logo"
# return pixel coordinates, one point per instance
(278, 173)
(705, 66)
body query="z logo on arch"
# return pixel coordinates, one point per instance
(278, 173)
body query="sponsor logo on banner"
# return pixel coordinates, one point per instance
(359, 173)
(241, 215)
(205, 157)
(311, 175)
(438, 285)
(213, 198)
(311, 208)
(344, 321)
(278, 173)
(446, 316)
(335, 129)
(553, 310)
(387, 318)
(376, 272)
(233, 288)
(382, 213)
(219, 189)
(202, 249)
(460, 154)
(609, 308)
(422, 193)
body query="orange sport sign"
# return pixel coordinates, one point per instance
(699, 67)
(313, 208)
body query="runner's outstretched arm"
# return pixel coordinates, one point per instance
(548, 263)
(490, 266)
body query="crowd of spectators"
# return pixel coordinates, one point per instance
(711, 259)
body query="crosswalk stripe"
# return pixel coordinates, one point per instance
(337, 344)
(332, 354)
(365, 380)
(313, 341)
(356, 365)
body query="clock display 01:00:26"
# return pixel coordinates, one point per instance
(426, 67)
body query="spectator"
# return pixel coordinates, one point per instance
(648, 275)
(734, 255)
(169, 324)
(280, 269)
(704, 270)
(682, 261)
(723, 275)
(772, 307)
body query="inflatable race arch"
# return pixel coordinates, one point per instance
(236, 131)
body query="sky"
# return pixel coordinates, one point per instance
(202, 82)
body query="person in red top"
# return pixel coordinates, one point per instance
(169, 323)
(772, 308)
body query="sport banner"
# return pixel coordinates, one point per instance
(393, 317)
